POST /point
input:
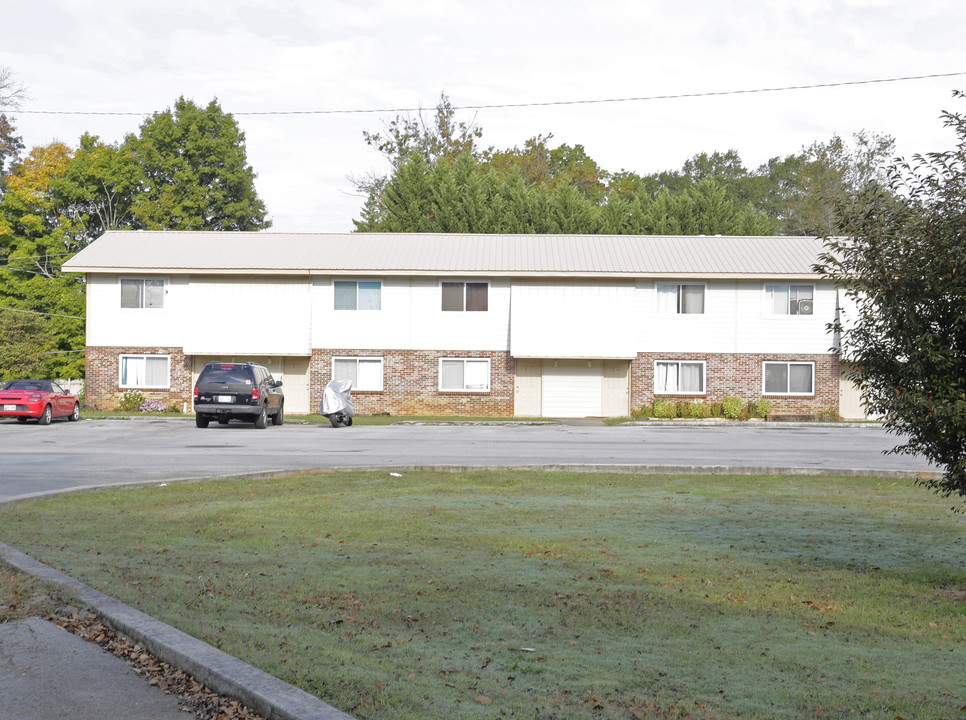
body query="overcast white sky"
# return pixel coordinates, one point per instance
(132, 56)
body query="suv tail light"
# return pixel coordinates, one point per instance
(255, 396)
(197, 394)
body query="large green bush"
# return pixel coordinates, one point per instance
(664, 410)
(698, 409)
(732, 407)
(759, 408)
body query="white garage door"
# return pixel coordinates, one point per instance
(571, 388)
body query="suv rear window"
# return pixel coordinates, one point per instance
(227, 375)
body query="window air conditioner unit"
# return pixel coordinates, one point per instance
(805, 307)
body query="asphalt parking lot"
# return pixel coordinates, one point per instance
(89, 453)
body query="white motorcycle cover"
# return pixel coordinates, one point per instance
(336, 399)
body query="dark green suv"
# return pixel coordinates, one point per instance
(243, 391)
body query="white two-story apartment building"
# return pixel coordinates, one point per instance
(526, 325)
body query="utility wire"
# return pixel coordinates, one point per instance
(553, 103)
(34, 312)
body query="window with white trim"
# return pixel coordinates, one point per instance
(143, 292)
(788, 378)
(365, 373)
(465, 296)
(464, 374)
(679, 376)
(144, 371)
(680, 298)
(358, 294)
(789, 299)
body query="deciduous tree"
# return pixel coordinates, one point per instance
(902, 262)
(196, 174)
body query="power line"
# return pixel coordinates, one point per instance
(34, 312)
(553, 103)
(11, 258)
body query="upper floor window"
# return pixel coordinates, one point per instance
(680, 298)
(464, 374)
(365, 373)
(143, 292)
(789, 299)
(144, 371)
(358, 295)
(789, 378)
(469, 296)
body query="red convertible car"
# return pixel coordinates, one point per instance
(41, 399)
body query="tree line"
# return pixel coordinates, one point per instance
(184, 169)
(441, 179)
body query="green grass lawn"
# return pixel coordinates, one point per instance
(545, 595)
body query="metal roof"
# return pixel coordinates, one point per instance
(436, 253)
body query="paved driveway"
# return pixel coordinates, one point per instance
(103, 452)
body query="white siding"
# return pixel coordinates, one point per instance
(386, 328)
(759, 331)
(435, 329)
(711, 331)
(735, 320)
(108, 324)
(247, 315)
(411, 318)
(572, 319)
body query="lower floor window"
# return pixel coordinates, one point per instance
(145, 371)
(365, 373)
(466, 374)
(789, 378)
(677, 376)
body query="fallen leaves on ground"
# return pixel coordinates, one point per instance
(192, 696)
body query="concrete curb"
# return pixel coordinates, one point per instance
(265, 694)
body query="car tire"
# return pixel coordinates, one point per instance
(261, 422)
(279, 417)
(334, 419)
(46, 416)
(75, 413)
(201, 421)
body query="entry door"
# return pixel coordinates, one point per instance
(528, 387)
(616, 388)
(296, 384)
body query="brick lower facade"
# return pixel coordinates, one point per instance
(411, 381)
(102, 383)
(740, 375)
(411, 384)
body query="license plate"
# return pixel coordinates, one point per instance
(225, 398)
(9, 408)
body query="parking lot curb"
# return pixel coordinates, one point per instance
(222, 673)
